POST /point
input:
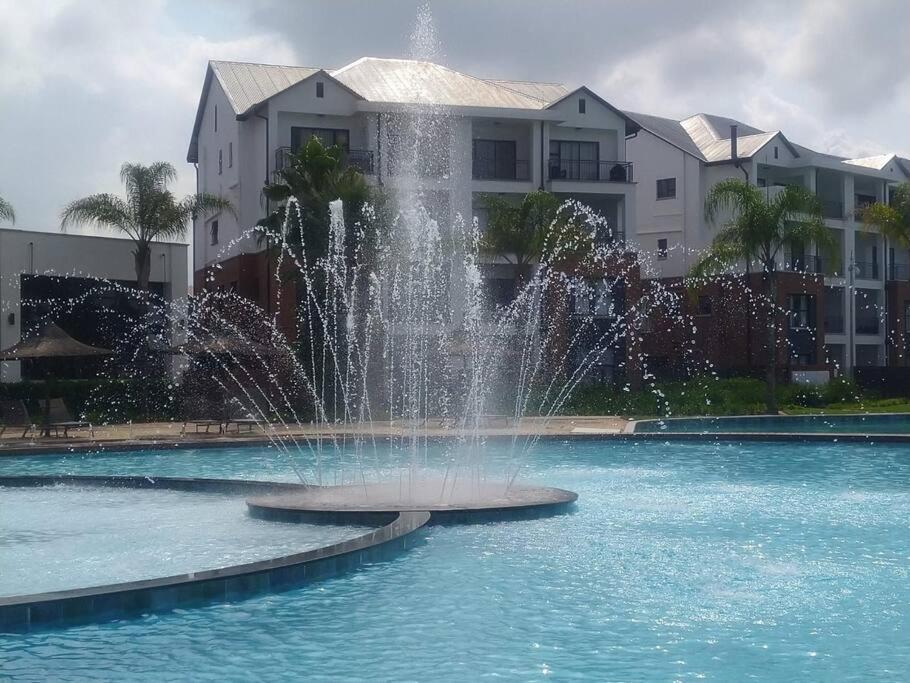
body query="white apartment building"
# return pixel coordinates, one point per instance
(508, 137)
(676, 162)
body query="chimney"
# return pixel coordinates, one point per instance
(733, 154)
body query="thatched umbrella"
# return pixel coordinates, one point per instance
(50, 342)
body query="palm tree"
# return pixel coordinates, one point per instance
(759, 230)
(149, 213)
(892, 219)
(6, 211)
(519, 233)
(315, 176)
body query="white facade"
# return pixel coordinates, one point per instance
(508, 137)
(697, 155)
(27, 252)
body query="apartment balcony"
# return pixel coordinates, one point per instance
(867, 270)
(591, 171)
(834, 324)
(866, 325)
(501, 169)
(899, 272)
(832, 208)
(806, 263)
(360, 159)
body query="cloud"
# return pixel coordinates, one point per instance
(87, 86)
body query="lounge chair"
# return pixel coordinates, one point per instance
(198, 413)
(13, 415)
(59, 418)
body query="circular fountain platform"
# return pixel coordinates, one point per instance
(375, 503)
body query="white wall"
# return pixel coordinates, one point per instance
(47, 253)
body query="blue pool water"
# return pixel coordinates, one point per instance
(765, 424)
(682, 561)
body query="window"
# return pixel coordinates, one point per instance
(666, 188)
(496, 159)
(574, 160)
(596, 300)
(320, 89)
(230, 155)
(220, 164)
(581, 105)
(704, 305)
(801, 311)
(327, 136)
(213, 232)
(775, 151)
(662, 250)
(216, 118)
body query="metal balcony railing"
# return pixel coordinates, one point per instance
(867, 270)
(497, 169)
(361, 159)
(597, 171)
(899, 271)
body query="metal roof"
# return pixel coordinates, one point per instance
(409, 81)
(545, 92)
(669, 130)
(247, 85)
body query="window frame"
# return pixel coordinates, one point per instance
(213, 232)
(672, 182)
(662, 251)
(703, 311)
(299, 138)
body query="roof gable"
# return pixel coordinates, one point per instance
(632, 126)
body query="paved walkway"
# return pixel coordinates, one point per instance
(173, 432)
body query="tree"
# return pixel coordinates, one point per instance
(150, 211)
(892, 219)
(6, 211)
(518, 233)
(314, 176)
(757, 230)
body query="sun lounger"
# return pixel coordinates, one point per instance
(60, 419)
(13, 415)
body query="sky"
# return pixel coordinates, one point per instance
(86, 85)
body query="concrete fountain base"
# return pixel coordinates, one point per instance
(371, 504)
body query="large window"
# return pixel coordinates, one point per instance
(662, 249)
(574, 160)
(666, 188)
(213, 232)
(496, 159)
(327, 136)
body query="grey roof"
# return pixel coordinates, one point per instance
(877, 162)
(669, 130)
(746, 146)
(410, 81)
(247, 85)
(545, 92)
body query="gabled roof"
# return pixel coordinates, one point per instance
(248, 85)
(668, 130)
(631, 124)
(409, 81)
(877, 162)
(399, 81)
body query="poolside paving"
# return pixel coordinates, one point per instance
(107, 436)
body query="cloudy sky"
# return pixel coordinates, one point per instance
(88, 84)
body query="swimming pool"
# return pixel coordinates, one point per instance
(682, 561)
(892, 423)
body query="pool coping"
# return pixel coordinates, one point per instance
(23, 613)
(626, 435)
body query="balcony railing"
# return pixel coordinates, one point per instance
(597, 171)
(361, 159)
(899, 271)
(832, 209)
(497, 169)
(867, 270)
(807, 263)
(834, 324)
